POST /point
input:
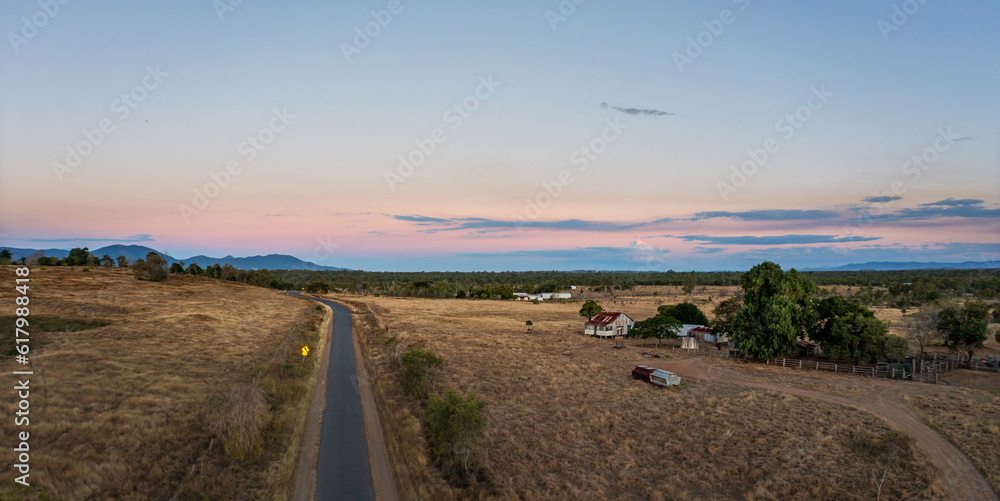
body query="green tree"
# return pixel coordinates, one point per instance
(690, 281)
(850, 331)
(418, 370)
(177, 268)
(317, 287)
(153, 268)
(194, 269)
(685, 313)
(724, 313)
(529, 324)
(777, 309)
(106, 261)
(228, 272)
(659, 326)
(965, 327)
(77, 257)
(590, 308)
(455, 426)
(5, 256)
(122, 261)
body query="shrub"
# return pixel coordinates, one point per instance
(455, 426)
(419, 368)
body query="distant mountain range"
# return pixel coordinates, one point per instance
(133, 252)
(909, 265)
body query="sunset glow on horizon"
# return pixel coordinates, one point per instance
(512, 136)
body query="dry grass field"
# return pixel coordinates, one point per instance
(969, 416)
(566, 420)
(135, 381)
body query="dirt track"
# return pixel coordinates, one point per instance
(881, 398)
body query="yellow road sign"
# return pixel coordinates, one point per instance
(305, 350)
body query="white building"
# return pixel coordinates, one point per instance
(608, 324)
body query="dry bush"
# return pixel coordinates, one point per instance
(239, 418)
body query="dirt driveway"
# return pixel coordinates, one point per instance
(882, 398)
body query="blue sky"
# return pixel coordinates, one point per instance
(824, 106)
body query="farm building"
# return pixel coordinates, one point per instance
(608, 324)
(706, 334)
(642, 372)
(689, 342)
(664, 378)
(805, 348)
(703, 333)
(656, 376)
(556, 295)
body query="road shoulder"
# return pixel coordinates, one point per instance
(378, 455)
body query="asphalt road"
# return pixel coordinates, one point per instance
(343, 470)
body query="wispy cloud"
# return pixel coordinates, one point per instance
(769, 215)
(708, 250)
(637, 111)
(142, 237)
(966, 207)
(420, 219)
(478, 223)
(772, 240)
(882, 199)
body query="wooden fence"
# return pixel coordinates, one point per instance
(887, 371)
(926, 369)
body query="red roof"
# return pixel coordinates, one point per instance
(605, 318)
(702, 329)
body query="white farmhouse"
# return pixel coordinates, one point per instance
(608, 324)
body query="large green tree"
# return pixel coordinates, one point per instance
(659, 326)
(965, 327)
(725, 313)
(590, 308)
(685, 313)
(777, 309)
(850, 331)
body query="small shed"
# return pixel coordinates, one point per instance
(642, 372)
(706, 334)
(664, 378)
(689, 342)
(805, 348)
